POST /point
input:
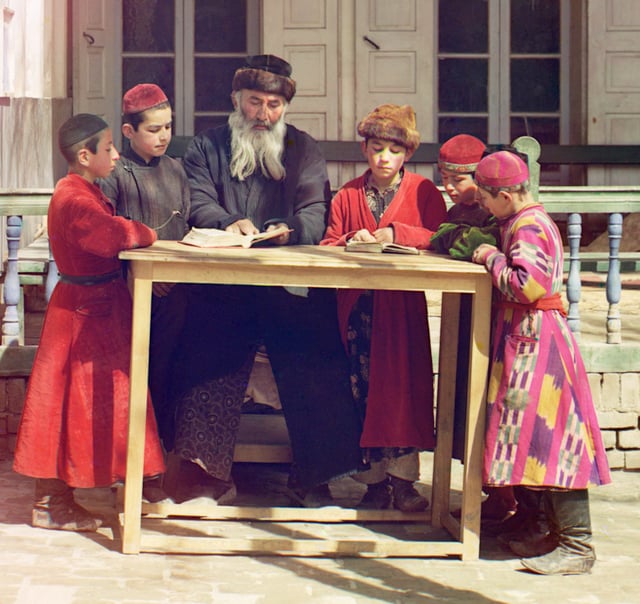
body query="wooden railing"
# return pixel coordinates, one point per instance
(572, 202)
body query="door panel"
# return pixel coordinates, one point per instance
(96, 53)
(394, 59)
(614, 83)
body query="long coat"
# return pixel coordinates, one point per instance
(75, 418)
(400, 400)
(542, 428)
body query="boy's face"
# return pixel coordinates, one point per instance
(501, 205)
(385, 158)
(101, 163)
(460, 187)
(153, 135)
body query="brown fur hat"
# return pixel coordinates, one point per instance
(267, 73)
(395, 123)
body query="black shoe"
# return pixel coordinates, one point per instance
(315, 497)
(405, 496)
(377, 497)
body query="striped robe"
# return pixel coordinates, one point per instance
(542, 428)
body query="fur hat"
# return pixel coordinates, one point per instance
(395, 123)
(142, 97)
(267, 73)
(501, 169)
(461, 154)
(79, 128)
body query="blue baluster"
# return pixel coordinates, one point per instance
(574, 233)
(52, 276)
(614, 287)
(11, 321)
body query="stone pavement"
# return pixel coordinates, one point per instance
(54, 567)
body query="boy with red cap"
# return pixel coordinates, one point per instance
(386, 333)
(468, 224)
(542, 429)
(149, 186)
(73, 432)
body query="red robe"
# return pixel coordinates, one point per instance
(400, 401)
(75, 419)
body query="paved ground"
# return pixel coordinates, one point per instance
(52, 567)
(48, 567)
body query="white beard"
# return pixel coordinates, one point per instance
(252, 149)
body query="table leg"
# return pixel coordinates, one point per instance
(131, 533)
(441, 488)
(474, 445)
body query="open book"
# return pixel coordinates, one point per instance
(376, 247)
(219, 238)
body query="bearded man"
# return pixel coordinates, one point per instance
(253, 174)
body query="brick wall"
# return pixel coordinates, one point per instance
(617, 399)
(616, 396)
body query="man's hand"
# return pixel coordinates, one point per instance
(161, 289)
(363, 235)
(243, 227)
(282, 239)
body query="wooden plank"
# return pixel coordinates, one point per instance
(327, 514)
(293, 538)
(16, 361)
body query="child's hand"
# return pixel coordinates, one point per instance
(482, 252)
(384, 235)
(363, 235)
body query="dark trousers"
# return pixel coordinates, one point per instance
(225, 324)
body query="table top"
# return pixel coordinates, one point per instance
(300, 265)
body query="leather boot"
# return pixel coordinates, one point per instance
(405, 496)
(377, 496)
(55, 508)
(569, 517)
(527, 532)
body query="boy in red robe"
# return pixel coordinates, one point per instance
(386, 332)
(73, 432)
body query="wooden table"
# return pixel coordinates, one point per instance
(319, 267)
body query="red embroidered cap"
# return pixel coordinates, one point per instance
(461, 154)
(142, 97)
(501, 169)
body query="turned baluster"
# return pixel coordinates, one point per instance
(574, 232)
(614, 324)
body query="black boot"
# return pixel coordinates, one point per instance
(527, 532)
(377, 496)
(405, 496)
(55, 508)
(569, 518)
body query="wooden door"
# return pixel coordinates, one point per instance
(305, 33)
(613, 76)
(96, 43)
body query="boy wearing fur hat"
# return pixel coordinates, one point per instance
(542, 429)
(386, 333)
(73, 432)
(251, 174)
(151, 187)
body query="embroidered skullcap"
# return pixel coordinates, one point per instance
(461, 154)
(142, 97)
(395, 123)
(79, 128)
(501, 169)
(266, 73)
